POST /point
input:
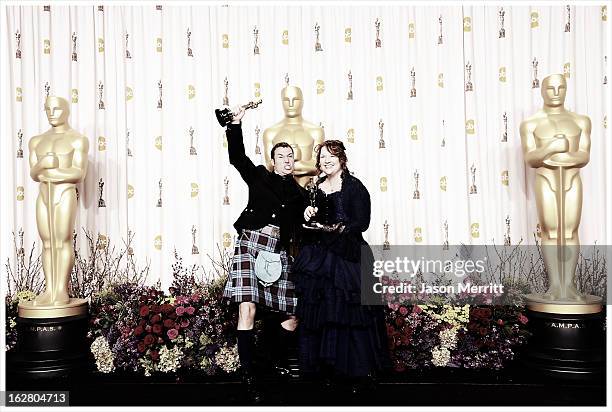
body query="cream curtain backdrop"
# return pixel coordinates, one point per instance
(130, 57)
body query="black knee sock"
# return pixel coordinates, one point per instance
(285, 339)
(270, 335)
(246, 349)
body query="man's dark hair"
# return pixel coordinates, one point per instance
(277, 145)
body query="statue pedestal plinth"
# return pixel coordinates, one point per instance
(568, 340)
(52, 341)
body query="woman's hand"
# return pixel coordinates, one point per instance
(310, 212)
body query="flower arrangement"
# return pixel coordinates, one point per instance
(474, 337)
(190, 329)
(151, 332)
(11, 303)
(141, 329)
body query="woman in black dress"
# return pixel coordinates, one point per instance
(339, 336)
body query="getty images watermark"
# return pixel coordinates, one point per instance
(410, 268)
(474, 274)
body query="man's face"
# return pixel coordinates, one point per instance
(553, 90)
(283, 161)
(292, 101)
(57, 111)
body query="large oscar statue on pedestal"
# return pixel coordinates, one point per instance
(53, 327)
(302, 135)
(567, 325)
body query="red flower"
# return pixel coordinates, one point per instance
(155, 308)
(169, 323)
(190, 310)
(399, 367)
(172, 315)
(142, 323)
(172, 334)
(157, 329)
(155, 319)
(523, 319)
(141, 346)
(481, 313)
(166, 308)
(180, 311)
(500, 322)
(138, 331)
(144, 310)
(403, 310)
(416, 309)
(184, 323)
(399, 321)
(149, 340)
(154, 355)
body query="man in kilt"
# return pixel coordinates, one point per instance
(270, 222)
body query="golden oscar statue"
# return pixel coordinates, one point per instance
(58, 160)
(556, 142)
(302, 135)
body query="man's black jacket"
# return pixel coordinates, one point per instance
(273, 199)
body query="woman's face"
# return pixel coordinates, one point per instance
(330, 164)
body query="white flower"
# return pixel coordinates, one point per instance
(26, 295)
(205, 340)
(205, 363)
(147, 365)
(169, 359)
(440, 356)
(103, 355)
(227, 358)
(448, 338)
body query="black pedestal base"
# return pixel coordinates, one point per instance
(49, 348)
(567, 346)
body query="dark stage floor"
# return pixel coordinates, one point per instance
(514, 386)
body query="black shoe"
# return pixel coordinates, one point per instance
(252, 388)
(328, 384)
(362, 386)
(281, 371)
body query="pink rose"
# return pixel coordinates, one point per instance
(190, 310)
(172, 334)
(184, 323)
(180, 311)
(403, 310)
(523, 319)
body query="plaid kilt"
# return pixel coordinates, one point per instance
(242, 284)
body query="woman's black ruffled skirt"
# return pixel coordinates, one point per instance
(336, 332)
